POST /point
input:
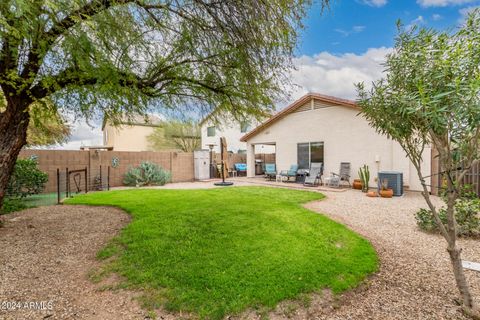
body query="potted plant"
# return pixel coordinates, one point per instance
(385, 191)
(364, 174)
(357, 184)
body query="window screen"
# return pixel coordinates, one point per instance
(210, 131)
(244, 126)
(303, 155)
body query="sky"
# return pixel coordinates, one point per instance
(343, 45)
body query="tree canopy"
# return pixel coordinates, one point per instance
(121, 56)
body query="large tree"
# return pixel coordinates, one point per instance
(431, 97)
(127, 56)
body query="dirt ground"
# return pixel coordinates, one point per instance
(48, 254)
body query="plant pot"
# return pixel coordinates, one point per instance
(357, 184)
(388, 193)
(372, 194)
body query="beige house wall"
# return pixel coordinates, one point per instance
(347, 137)
(128, 137)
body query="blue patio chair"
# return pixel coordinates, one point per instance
(241, 168)
(270, 171)
(292, 172)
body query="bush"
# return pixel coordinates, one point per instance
(26, 179)
(12, 205)
(146, 174)
(466, 213)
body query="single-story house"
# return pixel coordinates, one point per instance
(320, 128)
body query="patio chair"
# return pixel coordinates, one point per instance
(270, 171)
(241, 168)
(314, 176)
(292, 172)
(336, 178)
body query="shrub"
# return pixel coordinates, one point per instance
(466, 213)
(26, 179)
(146, 174)
(12, 205)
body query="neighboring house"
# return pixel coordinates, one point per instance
(129, 135)
(319, 128)
(232, 131)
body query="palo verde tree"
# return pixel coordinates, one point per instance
(430, 96)
(176, 134)
(126, 56)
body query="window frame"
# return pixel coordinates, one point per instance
(309, 159)
(244, 126)
(209, 133)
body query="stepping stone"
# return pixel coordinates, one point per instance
(471, 265)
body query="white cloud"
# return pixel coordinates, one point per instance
(442, 3)
(373, 3)
(436, 17)
(419, 21)
(336, 75)
(346, 33)
(83, 134)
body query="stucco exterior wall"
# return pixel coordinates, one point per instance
(127, 137)
(231, 131)
(347, 137)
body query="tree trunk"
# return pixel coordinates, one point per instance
(13, 136)
(455, 258)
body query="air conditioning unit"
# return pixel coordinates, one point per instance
(395, 181)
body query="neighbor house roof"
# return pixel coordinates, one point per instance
(297, 104)
(137, 120)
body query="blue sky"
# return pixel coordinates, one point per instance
(355, 25)
(341, 46)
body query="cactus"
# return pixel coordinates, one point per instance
(364, 174)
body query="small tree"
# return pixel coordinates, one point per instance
(431, 96)
(182, 135)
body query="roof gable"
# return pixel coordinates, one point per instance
(310, 101)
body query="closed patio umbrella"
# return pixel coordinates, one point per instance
(224, 163)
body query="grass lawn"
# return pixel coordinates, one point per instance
(218, 252)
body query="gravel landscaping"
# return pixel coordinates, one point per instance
(415, 280)
(48, 254)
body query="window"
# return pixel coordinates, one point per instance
(211, 131)
(309, 152)
(244, 126)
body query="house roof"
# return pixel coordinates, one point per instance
(137, 120)
(297, 104)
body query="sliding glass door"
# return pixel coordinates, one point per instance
(309, 152)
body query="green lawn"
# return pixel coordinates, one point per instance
(218, 252)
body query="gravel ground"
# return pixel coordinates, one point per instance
(47, 254)
(415, 280)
